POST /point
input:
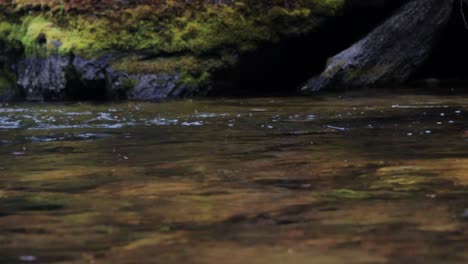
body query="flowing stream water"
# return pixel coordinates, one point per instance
(350, 178)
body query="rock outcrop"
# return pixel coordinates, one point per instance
(57, 78)
(391, 53)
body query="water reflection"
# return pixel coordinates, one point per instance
(361, 179)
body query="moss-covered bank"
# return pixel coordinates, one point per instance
(191, 39)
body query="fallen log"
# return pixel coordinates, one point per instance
(391, 53)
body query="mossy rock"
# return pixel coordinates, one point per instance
(192, 39)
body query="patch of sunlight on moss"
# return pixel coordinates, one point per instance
(6, 29)
(58, 40)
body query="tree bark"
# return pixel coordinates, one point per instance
(391, 53)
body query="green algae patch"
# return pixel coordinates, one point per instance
(166, 228)
(401, 178)
(348, 194)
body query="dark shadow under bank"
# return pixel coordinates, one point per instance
(79, 90)
(280, 69)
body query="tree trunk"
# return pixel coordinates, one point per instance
(391, 53)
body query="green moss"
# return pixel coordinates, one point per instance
(135, 64)
(328, 7)
(129, 84)
(210, 27)
(6, 29)
(192, 80)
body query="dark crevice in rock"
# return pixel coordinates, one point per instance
(79, 89)
(86, 91)
(9, 53)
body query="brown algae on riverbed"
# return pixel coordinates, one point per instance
(359, 179)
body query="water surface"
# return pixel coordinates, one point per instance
(355, 178)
